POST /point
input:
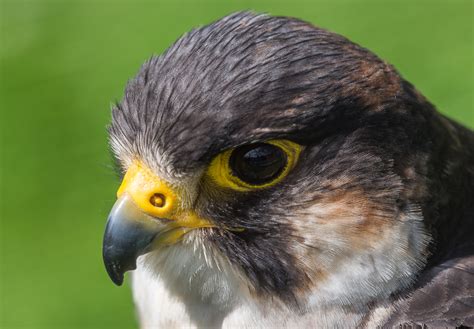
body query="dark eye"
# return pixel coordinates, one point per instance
(258, 163)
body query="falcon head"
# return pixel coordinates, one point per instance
(269, 160)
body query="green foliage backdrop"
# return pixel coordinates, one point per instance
(64, 62)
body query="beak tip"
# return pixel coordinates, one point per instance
(117, 264)
(118, 280)
(115, 273)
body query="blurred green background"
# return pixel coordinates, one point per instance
(64, 62)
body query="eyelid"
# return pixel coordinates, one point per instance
(220, 172)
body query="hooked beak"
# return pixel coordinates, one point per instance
(129, 234)
(145, 217)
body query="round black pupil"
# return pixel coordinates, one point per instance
(258, 164)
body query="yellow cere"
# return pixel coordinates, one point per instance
(220, 171)
(156, 198)
(141, 184)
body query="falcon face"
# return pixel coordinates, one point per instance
(271, 165)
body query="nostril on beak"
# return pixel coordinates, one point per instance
(158, 200)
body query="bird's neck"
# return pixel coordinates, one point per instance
(180, 287)
(158, 306)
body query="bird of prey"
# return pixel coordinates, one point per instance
(277, 175)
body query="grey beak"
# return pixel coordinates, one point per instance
(129, 233)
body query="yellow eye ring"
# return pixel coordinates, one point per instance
(222, 174)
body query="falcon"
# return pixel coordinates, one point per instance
(277, 175)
